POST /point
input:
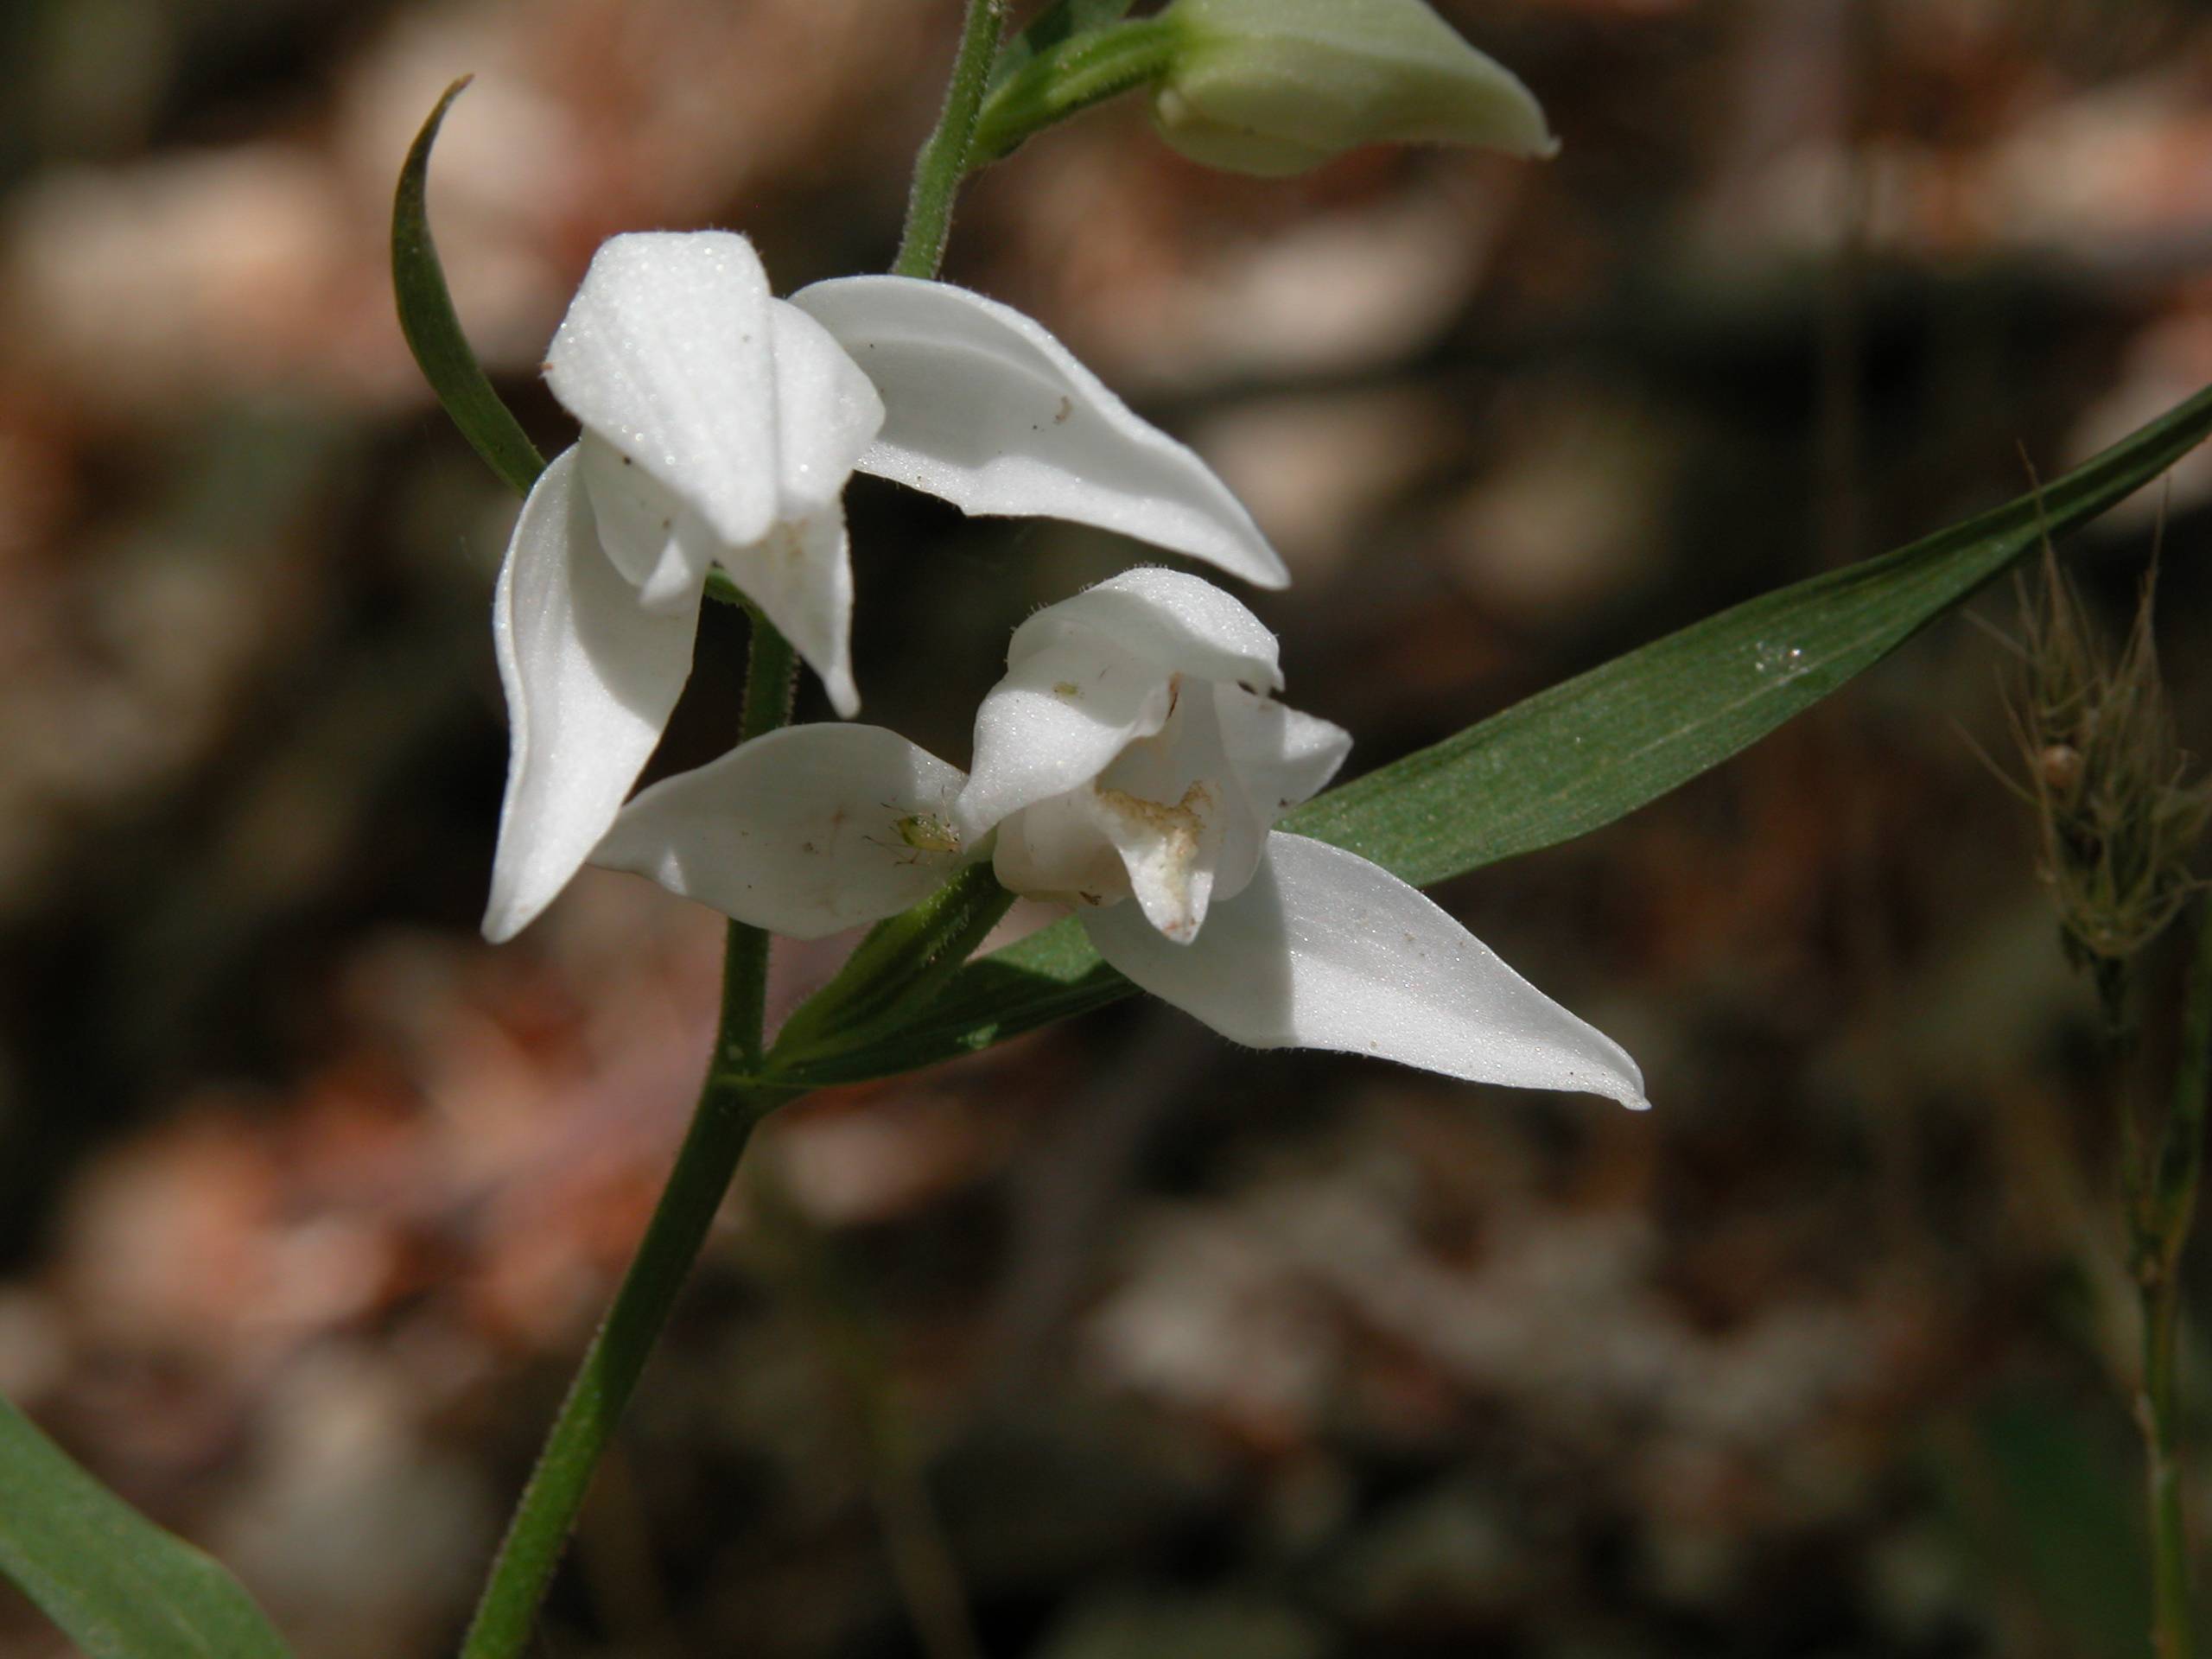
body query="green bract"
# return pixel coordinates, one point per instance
(1277, 86)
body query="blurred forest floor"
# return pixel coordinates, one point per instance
(1115, 1341)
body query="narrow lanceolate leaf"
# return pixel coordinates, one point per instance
(433, 331)
(1593, 749)
(118, 1585)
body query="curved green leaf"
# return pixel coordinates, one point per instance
(433, 331)
(118, 1585)
(1061, 21)
(1588, 751)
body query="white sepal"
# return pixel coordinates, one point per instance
(590, 675)
(805, 831)
(1323, 949)
(801, 576)
(667, 353)
(1182, 623)
(987, 410)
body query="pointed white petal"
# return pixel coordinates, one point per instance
(1326, 951)
(590, 677)
(1279, 756)
(1184, 623)
(799, 832)
(666, 353)
(828, 412)
(1055, 722)
(801, 576)
(659, 543)
(988, 410)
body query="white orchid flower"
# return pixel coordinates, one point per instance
(1131, 764)
(719, 426)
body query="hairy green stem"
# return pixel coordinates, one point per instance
(723, 1124)
(943, 162)
(1068, 79)
(771, 684)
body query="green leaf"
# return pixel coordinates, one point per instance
(1593, 749)
(118, 1585)
(433, 331)
(898, 969)
(1063, 20)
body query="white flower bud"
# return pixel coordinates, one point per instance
(1278, 86)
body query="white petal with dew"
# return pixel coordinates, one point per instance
(804, 832)
(1325, 949)
(590, 677)
(1183, 623)
(987, 410)
(666, 352)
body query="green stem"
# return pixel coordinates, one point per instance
(732, 1100)
(1068, 79)
(771, 684)
(727, 1114)
(2165, 1207)
(943, 162)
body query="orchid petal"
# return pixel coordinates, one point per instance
(1325, 949)
(1185, 833)
(590, 677)
(660, 544)
(667, 354)
(1280, 756)
(801, 576)
(990, 411)
(1054, 723)
(1181, 622)
(804, 832)
(827, 411)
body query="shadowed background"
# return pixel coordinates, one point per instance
(1116, 1341)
